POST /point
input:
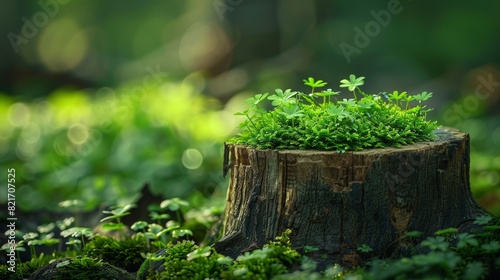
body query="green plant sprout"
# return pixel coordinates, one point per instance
(19, 248)
(308, 249)
(297, 121)
(447, 231)
(436, 243)
(175, 205)
(77, 236)
(253, 101)
(140, 227)
(33, 239)
(175, 229)
(363, 248)
(158, 217)
(27, 238)
(352, 84)
(116, 214)
(199, 253)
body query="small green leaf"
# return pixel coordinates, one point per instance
(334, 109)
(113, 226)
(467, 239)
(352, 83)
(176, 233)
(292, 112)
(173, 204)
(483, 219)
(283, 98)
(30, 236)
(474, 270)
(422, 96)
(157, 216)
(363, 248)
(46, 228)
(77, 232)
(307, 264)
(34, 242)
(225, 260)
(348, 102)
(70, 203)
(114, 217)
(199, 253)
(447, 231)
(436, 243)
(74, 241)
(492, 227)
(154, 228)
(314, 84)
(63, 264)
(327, 92)
(308, 249)
(49, 241)
(254, 101)
(139, 225)
(119, 210)
(396, 96)
(240, 271)
(365, 104)
(492, 247)
(413, 234)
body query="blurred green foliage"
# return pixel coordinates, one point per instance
(102, 147)
(484, 159)
(105, 144)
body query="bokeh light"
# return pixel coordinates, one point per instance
(78, 134)
(31, 133)
(192, 158)
(59, 56)
(18, 114)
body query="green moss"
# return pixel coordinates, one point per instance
(185, 260)
(275, 258)
(299, 122)
(126, 254)
(25, 269)
(175, 262)
(80, 268)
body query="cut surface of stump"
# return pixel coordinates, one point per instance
(337, 202)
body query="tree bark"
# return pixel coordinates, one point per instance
(339, 201)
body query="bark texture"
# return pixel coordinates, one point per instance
(339, 201)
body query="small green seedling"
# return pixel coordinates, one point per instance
(308, 249)
(437, 243)
(199, 253)
(77, 236)
(175, 205)
(116, 214)
(363, 248)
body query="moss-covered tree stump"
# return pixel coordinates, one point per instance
(338, 201)
(80, 268)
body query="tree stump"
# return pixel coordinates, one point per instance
(339, 201)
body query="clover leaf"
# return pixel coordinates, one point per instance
(292, 112)
(352, 83)
(282, 98)
(314, 84)
(256, 99)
